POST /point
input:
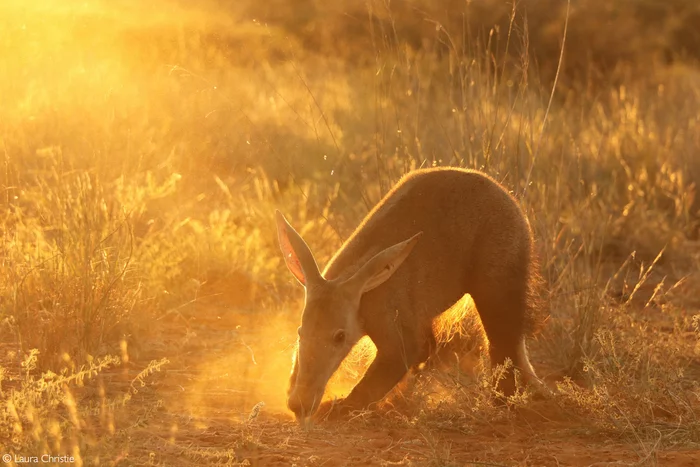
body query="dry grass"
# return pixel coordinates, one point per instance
(144, 309)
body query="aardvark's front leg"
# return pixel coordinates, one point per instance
(382, 375)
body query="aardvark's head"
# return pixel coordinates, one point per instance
(330, 323)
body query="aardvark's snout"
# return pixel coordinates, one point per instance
(303, 403)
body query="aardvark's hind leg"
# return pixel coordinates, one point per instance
(502, 314)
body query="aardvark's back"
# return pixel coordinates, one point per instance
(466, 217)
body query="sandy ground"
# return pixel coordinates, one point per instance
(202, 411)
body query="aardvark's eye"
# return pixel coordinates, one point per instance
(339, 337)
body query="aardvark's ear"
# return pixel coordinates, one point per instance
(296, 253)
(380, 268)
